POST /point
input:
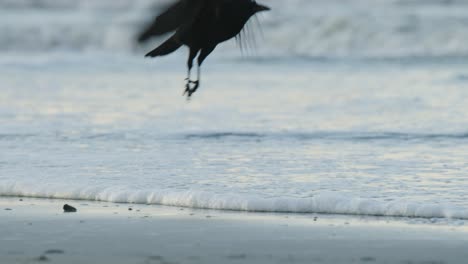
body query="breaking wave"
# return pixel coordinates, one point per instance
(326, 202)
(296, 28)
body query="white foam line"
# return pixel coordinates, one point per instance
(325, 202)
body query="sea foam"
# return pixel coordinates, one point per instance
(324, 202)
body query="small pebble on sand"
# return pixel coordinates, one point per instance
(69, 209)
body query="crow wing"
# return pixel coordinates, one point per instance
(180, 13)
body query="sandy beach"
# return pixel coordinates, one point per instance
(37, 230)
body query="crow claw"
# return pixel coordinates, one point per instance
(190, 90)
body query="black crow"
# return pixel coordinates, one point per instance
(201, 25)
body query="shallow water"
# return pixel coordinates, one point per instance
(355, 130)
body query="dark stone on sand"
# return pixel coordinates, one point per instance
(42, 258)
(54, 251)
(130, 209)
(8, 209)
(69, 209)
(20, 200)
(368, 259)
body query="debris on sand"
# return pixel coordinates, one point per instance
(42, 258)
(54, 251)
(69, 209)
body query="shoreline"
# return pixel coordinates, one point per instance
(326, 203)
(450, 221)
(102, 232)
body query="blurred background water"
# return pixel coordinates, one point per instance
(297, 28)
(355, 107)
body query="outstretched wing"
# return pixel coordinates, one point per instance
(179, 13)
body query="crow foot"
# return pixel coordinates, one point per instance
(189, 89)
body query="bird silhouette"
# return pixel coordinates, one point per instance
(201, 25)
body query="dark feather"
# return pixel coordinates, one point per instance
(179, 13)
(167, 47)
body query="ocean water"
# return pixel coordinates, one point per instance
(342, 107)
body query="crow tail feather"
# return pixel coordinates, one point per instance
(167, 47)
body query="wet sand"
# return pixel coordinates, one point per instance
(38, 231)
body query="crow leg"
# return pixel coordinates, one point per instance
(196, 83)
(203, 54)
(192, 55)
